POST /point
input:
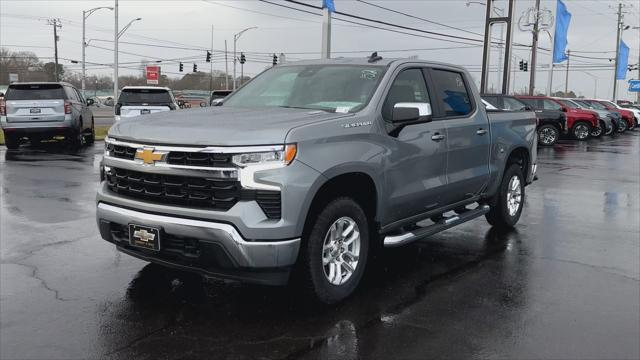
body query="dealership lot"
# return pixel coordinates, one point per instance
(565, 284)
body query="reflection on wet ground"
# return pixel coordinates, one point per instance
(564, 284)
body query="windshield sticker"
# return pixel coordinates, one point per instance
(343, 109)
(369, 74)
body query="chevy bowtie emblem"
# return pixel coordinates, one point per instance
(148, 156)
(144, 235)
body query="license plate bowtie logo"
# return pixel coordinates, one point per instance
(144, 235)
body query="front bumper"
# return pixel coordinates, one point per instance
(211, 248)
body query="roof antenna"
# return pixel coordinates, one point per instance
(374, 57)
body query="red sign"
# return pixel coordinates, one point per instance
(153, 74)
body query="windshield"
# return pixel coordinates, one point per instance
(144, 96)
(335, 88)
(35, 92)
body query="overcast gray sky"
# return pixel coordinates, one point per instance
(187, 24)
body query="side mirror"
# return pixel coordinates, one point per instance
(528, 108)
(90, 102)
(404, 113)
(181, 103)
(203, 104)
(216, 102)
(564, 109)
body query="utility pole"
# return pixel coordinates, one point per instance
(534, 49)
(211, 65)
(615, 69)
(326, 33)
(566, 78)
(226, 67)
(56, 24)
(116, 29)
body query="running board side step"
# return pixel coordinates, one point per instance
(444, 224)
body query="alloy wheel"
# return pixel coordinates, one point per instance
(341, 250)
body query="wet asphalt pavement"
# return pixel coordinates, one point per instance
(564, 284)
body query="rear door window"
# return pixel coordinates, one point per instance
(71, 93)
(513, 104)
(533, 103)
(35, 92)
(452, 92)
(144, 96)
(550, 105)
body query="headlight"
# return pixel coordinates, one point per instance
(283, 155)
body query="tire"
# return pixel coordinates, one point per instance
(11, 142)
(91, 137)
(581, 131)
(610, 130)
(634, 124)
(76, 139)
(598, 131)
(501, 214)
(320, 253)
(548, 135)
(622, 126)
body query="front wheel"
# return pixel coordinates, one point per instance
(634, 124)
(581, 131)
(598, 131)
(90, 138)
(334, 254)
(622, 126)
(506, 205)
(548, 135)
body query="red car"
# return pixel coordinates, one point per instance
(626, 115)
(580, 122)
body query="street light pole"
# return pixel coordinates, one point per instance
(235, 59)
(534, 50)
(85, 15)
(118, 34)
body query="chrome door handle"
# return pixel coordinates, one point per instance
(481, 132)
(438, 137)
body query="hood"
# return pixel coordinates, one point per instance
(218, 126)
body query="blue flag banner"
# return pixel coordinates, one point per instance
(329, 5)
(563, 18)
(634, 86)
(623, 61)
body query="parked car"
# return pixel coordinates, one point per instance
(217, 96)
(311, 165)
(607, 125)
(580, 122)
(626, 114)
(621, 124)
(630, 107)
(551, 123)
(143, 100)
(42, 110)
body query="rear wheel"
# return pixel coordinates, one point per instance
(90, 138)
(12, 142)
(634, 124)
(76, 139)
(506, 205)
(334, 254)
(581, 131)
(548, 135)
(609, 131)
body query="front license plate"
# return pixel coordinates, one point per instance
(144, 237)
(35, 111)
(145, 111)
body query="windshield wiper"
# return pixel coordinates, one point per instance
(327, 109)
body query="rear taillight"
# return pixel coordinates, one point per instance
(67, 107)
(3, 109)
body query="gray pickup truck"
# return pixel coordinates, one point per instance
(309, 167)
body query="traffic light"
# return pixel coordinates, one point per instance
(526, 66)
(181, 67)
(521, 65)
(243, 59)
(195, 68)
(275, 60)
(208, 56)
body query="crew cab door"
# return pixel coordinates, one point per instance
(467, 131)
(415, 173)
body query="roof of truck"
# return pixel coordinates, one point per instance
(41, 83)
(365, 61)
(147, 87)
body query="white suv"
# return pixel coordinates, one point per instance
(142, 100)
